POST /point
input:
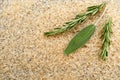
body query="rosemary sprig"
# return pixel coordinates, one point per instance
(106, 38)
(92, 10)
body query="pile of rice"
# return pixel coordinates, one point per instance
(26, 54)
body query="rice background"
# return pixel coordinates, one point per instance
(26, 54)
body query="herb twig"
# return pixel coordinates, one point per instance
(92, 10)
(106, 38)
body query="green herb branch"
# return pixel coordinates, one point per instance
(92, 10)
(106, 38)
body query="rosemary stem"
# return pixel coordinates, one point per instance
(101, 16)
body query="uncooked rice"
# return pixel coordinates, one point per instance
(26, 54)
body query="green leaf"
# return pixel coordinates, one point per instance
(80, 39)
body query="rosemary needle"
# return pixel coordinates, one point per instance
(92, 10)
(106, 38)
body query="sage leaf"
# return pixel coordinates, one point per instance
(80, 39)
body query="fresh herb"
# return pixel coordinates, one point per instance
(80, 39)
(106, 38)
(84, 35)
(92, 10)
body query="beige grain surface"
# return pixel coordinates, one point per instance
(26, 54)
